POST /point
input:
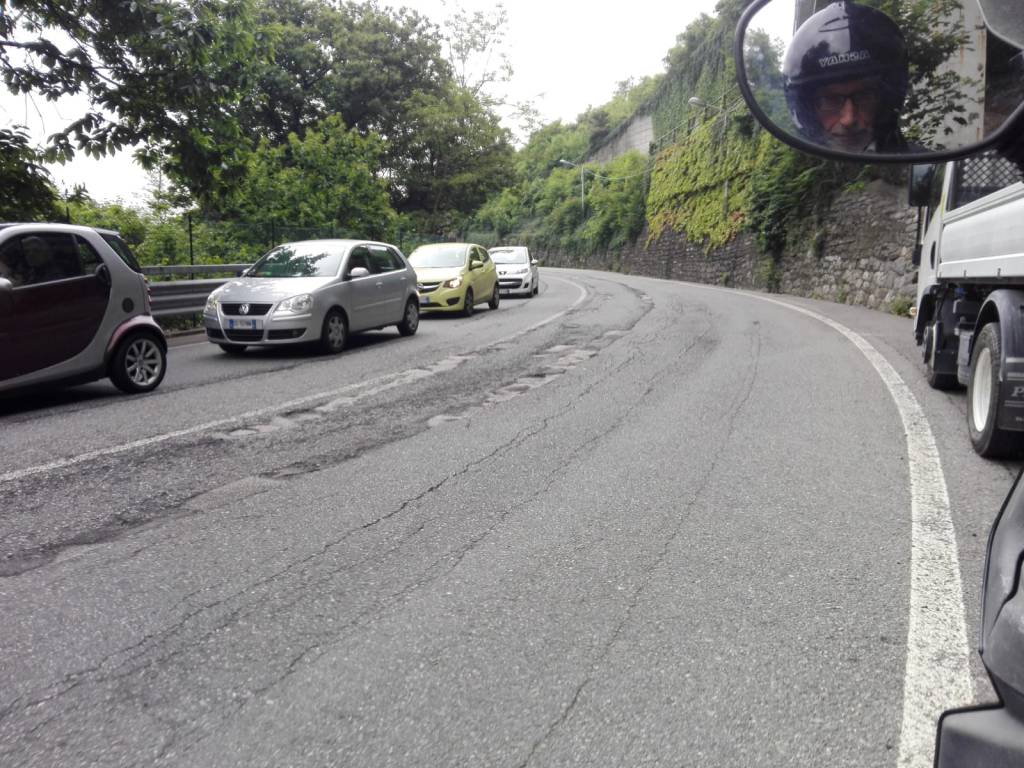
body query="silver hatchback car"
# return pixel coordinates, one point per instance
(314, 291)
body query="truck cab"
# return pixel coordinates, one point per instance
(971, 275)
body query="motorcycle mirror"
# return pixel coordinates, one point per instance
(921, 84)
(992, 735)
(1005, 19)
(920, 189)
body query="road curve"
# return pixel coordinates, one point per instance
(627, 522)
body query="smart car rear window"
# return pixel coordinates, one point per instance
(120, 247)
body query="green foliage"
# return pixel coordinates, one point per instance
(547, 146)
(616, 204)
(605, 122)
(355, 60)
(132, 224)
(549, 212)
(326, 178)
(459, 155)
(502, 213)
(702, 186)
(167, 73)
(26, 192)
(901, 306)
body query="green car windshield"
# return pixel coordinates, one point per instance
(439, 256)
(299, 260)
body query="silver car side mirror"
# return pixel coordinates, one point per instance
(851, 82)
(358, 272)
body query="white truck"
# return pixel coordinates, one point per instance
(970, 295)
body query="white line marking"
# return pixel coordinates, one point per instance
(937, 674)
(372, 386)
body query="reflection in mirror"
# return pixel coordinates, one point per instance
(881, 76)
(921, 180)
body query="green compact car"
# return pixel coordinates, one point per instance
(454, 277)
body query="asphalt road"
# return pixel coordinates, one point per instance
(625, 523)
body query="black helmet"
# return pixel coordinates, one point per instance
(847, 41)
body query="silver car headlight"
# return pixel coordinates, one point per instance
(296, 305)
(212, 302)
(455, 282)
(520, 271)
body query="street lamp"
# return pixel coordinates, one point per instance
(583, 197)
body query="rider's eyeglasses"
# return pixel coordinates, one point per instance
(833, 103)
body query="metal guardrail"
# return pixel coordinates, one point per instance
(185, 297)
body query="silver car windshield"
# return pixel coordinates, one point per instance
(300, 260)
(439, 256)
(508, 256)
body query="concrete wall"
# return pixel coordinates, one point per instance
(638, 135)
(859, 254)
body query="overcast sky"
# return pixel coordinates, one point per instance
(566, 56)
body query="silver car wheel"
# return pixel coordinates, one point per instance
(143, 362)
(336, 331)
(412, 316)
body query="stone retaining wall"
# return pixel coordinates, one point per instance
(859, 254)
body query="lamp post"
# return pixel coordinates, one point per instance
(583, 197)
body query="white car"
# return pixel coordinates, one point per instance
(518, 274)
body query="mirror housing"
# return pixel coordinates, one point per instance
(837, 62)
(993, 736)
(102, 273)
(476, 264)
(357, 272)
(6, 296)
(920, 186)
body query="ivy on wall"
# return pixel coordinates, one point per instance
(702, 185)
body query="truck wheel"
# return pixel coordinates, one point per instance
(936, 379)
(983, 398)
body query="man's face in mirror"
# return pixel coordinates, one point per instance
(846, 112)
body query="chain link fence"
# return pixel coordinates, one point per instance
(188, 240)
(982, 175)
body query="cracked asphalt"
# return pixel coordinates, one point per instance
(629, 522)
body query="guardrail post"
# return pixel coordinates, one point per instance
(191, 254)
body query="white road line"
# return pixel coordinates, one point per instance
(937, 674)
(378, 384)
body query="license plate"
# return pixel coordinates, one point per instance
(424, 299)
(248, 324)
